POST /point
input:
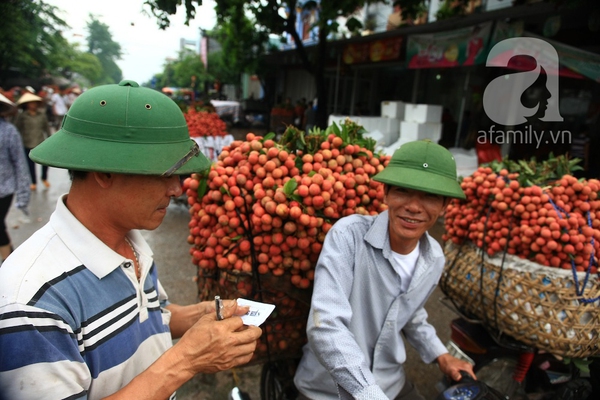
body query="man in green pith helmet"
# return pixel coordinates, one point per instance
(372, 279)
(82, 311)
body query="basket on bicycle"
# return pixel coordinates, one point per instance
(542, 307)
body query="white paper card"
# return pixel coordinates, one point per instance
(258, 312)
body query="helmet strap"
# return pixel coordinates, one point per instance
(194, 151)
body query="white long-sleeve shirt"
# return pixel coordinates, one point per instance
(358, 313)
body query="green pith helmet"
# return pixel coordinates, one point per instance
(425, 166)
(126, 129)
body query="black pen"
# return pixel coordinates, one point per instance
(219, 308)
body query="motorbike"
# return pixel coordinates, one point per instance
(276, 382)
(516, 370)
(506, 369)
(468, 388)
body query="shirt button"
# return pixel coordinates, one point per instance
(127, 265)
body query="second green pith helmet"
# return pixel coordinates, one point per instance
(126, 129)
(425, 166)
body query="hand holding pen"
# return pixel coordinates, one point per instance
(219, 340)
(231, 308)
(219, 308)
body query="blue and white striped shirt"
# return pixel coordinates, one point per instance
(74, 321)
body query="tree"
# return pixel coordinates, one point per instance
(279, 17)
(69, 61)
(87, 65)
(189, 65)
(179, 72)
(243, 45)
(33, 49)
(30, 39)
(101, 44)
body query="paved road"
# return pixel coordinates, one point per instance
(177, 275)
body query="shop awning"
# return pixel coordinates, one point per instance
(526, 55)
(472, 45)
(583, 63)
(455, 48)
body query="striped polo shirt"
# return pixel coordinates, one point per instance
(74, 321)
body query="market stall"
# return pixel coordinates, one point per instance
(228, 108)
(209, 131)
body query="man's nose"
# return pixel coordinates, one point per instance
(175, 186)
(414, 204)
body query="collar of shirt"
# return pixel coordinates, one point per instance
(80, 240)
(378, 236)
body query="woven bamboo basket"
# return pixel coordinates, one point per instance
(534, 304)
(284, 332)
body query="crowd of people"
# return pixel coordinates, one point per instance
(27, 118)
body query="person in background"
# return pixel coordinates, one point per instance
(310, 116)
(46, 94)
(449, 127)
(11, 95)
(59, 108)
(34, 128)
(580, 148)
(71, 95)
(83, 314)
(372, 279)
(14, 177)
(395, 19)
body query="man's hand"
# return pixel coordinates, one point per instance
(210, 346)
(451, 367)
(184, 317)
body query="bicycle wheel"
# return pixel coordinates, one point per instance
(277, 380)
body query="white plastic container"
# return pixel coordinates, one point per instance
(422, 113)
(393, 109)
(420, 131)
(466, 161)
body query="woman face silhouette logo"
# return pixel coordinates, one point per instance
(516, 98)
(537, 95)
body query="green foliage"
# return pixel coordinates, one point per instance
(243, 43)
(179, 72)
(111, 72)
(532, 172)
(582, 364)
(188, 65)
(353, 24)
(349, 131)
(87, 65)
(352, 133)
(30, 36)
(101, 44)
(32, 45)
(219, 69)
(451, 8)
(162, 10)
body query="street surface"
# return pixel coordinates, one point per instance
(177, 273)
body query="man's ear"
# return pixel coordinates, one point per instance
(447, 201)
(104, 179)
(386, 189)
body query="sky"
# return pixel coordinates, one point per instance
(145, 47)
